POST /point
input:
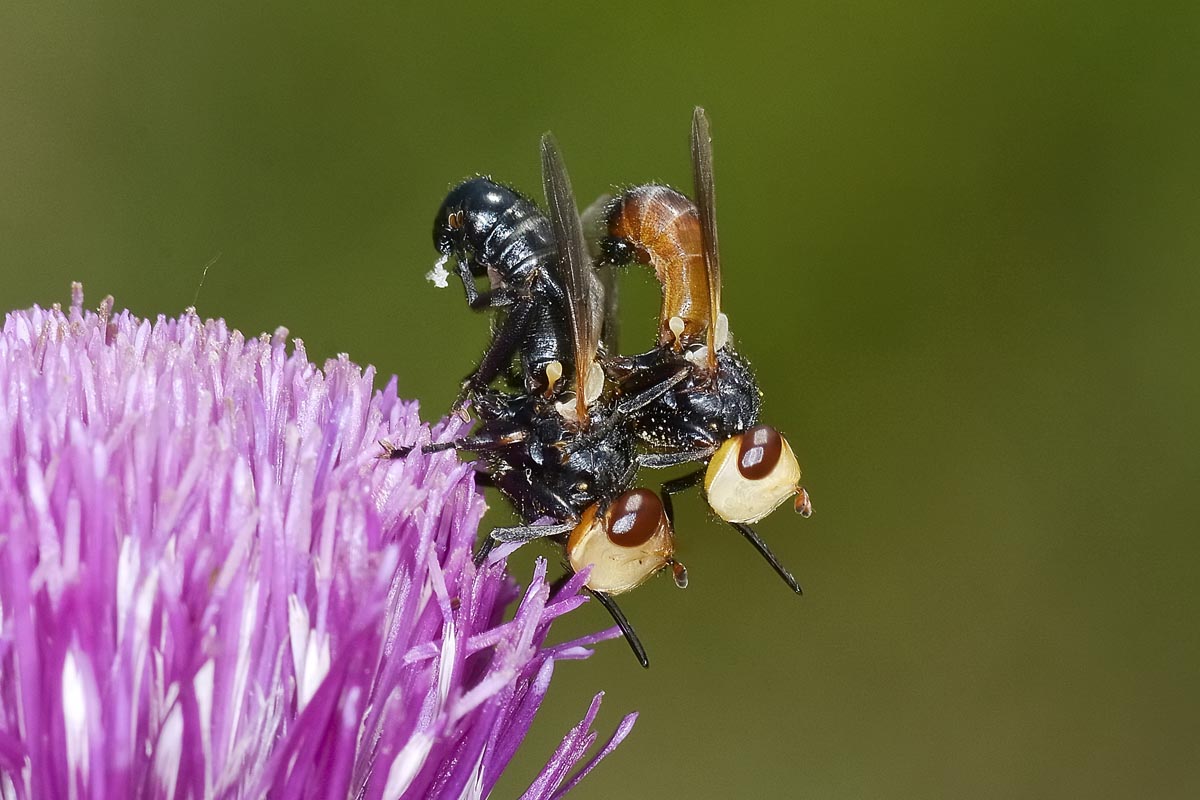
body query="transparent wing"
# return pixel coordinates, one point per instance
(584, 300)
(595, 228)
(702, 178)
(610, 327)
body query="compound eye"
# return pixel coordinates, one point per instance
(627, 544)
(447, 229)
(634, 517)
(751, 474)
(761, 447)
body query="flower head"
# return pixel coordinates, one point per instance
(211, 586)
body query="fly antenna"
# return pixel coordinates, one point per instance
(627, 630)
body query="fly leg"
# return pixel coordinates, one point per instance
(492, 298)
(479, 443)
(675, 486)
(629, 406)
(535, 500)
(702, 441)
(660, 461)
(500, 351)
(527, 533)
(476, 444)
(485, 480)
(517, 533)
(666, 380)
(663, 460)
(484, 550)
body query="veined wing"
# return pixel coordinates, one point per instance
(702, 178)
(583, 292)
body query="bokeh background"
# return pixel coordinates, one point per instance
(961, 245)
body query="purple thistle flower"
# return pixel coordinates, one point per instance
(211, 587)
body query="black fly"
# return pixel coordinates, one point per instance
(494, 232)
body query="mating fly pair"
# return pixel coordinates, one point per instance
(569, 449)
(531, 438)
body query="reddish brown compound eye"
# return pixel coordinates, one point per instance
(761, 446)
(634, 517)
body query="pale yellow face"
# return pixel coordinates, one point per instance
(630, 542)
(751, 475)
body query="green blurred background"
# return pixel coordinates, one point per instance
(961, 246)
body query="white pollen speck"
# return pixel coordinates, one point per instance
(438, 276)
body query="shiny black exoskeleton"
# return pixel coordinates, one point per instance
(697, 411)
(489, 226)
(520, 441)
(523, 437)
(495, 232)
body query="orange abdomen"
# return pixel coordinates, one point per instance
(663, 227)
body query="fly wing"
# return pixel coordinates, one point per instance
(610, 329)
(702, 178)
(595, 227)
(583, 292)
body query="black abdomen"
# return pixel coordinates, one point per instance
(496, 227)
